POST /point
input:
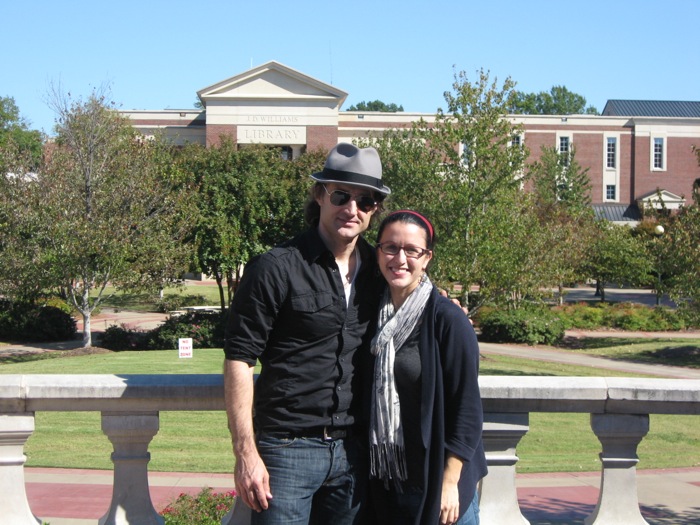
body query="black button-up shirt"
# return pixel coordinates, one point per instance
(290, 312)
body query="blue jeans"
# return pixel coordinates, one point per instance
(313, 481)
(471, 517)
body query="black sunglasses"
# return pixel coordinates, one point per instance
(341, 198)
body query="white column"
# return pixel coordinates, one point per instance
(619, 435)
(130, 435)
(498, 501)
(15, 429)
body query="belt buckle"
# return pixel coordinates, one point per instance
(326, 437)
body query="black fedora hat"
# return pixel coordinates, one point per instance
(348, 164)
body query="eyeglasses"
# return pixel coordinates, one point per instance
(341, 198)
(412, 252)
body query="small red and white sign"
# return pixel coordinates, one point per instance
(185, 347)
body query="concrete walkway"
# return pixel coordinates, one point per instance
(81, 497)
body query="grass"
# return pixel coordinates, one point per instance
(199, 441)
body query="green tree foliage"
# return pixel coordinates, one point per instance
(559, 179)
(250, 199)
(558, 101)
(617, 255)
(683, 254)
(462, 189)
(104, 207)
(376, 105)
(15, 133)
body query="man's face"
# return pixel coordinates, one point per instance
(347, 220)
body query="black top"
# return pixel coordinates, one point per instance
(290, 312)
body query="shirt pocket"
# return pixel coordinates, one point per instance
(311, 302)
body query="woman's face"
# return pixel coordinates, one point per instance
(402, 272)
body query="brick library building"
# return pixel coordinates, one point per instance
(634, 151)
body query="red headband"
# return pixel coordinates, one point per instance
(422, 218)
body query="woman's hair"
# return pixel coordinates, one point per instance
(312, 211)
(410, 217)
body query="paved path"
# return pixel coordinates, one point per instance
(81, 497)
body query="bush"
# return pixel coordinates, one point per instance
(529, 326)
(205, 328)
(32, 322)
(172, 301)
(122, 338)
(207, 508)
(580, 315)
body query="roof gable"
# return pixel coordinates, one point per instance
(272, 81)
(655, 199)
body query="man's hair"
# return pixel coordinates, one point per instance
(312, 211)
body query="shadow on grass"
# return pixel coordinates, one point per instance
(668, 352)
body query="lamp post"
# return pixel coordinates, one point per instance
(658, 231)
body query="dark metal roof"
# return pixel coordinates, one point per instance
(617, 212)
(651, 108)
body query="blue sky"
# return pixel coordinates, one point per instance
(158, 54)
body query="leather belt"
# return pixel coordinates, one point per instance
(324, 433)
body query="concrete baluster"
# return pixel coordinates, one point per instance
(619, 435)
(130, 435)
(15, 429)
(498, 501)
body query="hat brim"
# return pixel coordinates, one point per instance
(354, 179)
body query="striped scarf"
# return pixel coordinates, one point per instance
(387, 452)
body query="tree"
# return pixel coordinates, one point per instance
(250, 199)
(376, 105)
(105, 207)
(559, 101)
(462, 171)
(559, 179)
(15, 132)
(616, 255)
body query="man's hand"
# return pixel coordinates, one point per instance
(464, 308)
(252, 481)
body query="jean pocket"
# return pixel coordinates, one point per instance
(268, 442)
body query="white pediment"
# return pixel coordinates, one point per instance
(273, 81)
(655, 199)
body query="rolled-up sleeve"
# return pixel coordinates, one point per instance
(254, 309)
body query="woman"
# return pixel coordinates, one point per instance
(426, 418)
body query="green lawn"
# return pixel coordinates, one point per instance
(199, 441)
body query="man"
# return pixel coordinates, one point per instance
(307, 310)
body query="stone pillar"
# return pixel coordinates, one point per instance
(498, 501)
(15, 429)
(619, 435)
(130, 435)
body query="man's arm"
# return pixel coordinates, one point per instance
(250, 475)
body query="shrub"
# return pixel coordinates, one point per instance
(123, 338)
(207, 508)
(174, 301)
(32, 322)
(580, 315)
(529, 326)
(205, 328)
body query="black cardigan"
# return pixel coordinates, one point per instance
(451, 411)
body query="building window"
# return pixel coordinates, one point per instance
(564, 150)
(610, 192)
(658, 153)
(286, 152)
(611, 153)
(516, 141)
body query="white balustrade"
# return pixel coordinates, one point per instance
(130, 404)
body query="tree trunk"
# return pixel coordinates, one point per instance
(87, 330)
